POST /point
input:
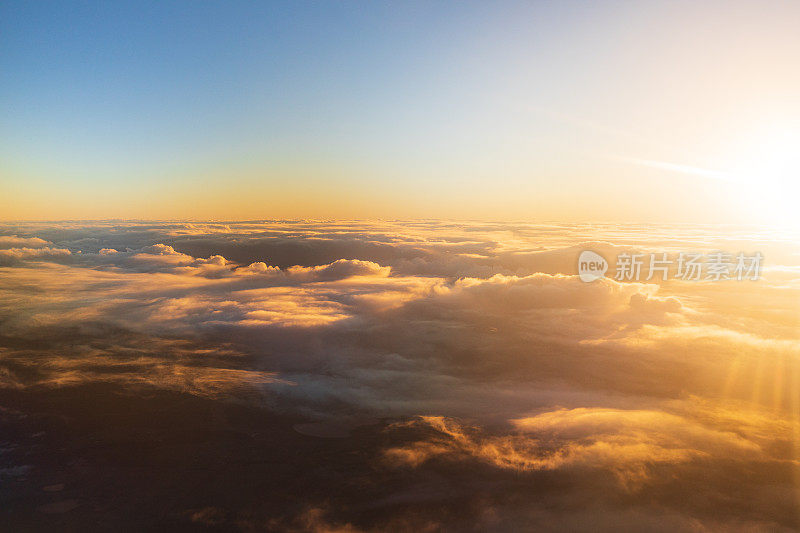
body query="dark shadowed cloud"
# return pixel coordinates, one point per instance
(469, 361)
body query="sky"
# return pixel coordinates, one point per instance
(317, 266)
(571, 111)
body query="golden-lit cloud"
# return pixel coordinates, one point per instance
(625, 442)
(457, 347)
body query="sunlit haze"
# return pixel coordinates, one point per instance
(401, 267)
(529, 111)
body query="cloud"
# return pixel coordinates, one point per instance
(682, 169)
(339, 269)
(14, 256)
(18, 250)
(458, 365)
(12, 241)
(625, 442)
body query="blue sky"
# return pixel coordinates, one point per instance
(372, 101)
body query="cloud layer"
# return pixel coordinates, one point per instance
(468, 359)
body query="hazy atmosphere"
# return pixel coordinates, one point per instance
(354, 267)
(569, 111)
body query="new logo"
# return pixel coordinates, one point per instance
(591, 266)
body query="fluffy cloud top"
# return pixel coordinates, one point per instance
(458, 356)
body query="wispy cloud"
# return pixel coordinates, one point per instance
(679, 168)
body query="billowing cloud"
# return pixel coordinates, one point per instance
(15, 250)
(12, 241)
(439, 366)
(626, 442)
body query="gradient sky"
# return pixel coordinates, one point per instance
(543, 111)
